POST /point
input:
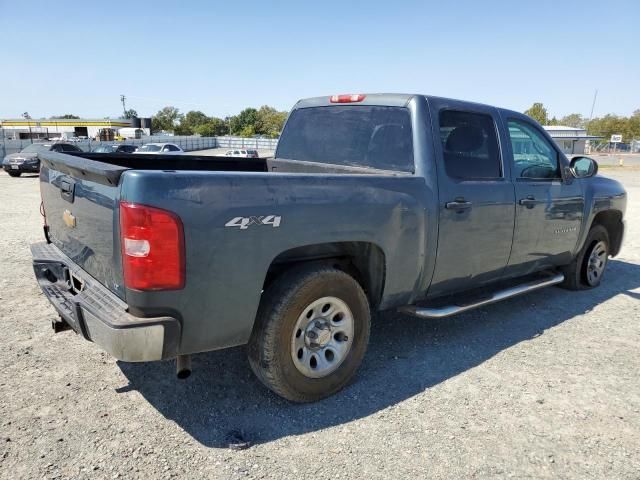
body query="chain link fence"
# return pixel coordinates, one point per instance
(187, 143)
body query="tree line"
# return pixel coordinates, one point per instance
(249, 122)
(605, 126)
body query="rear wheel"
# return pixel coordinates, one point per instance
(15, 174)
(311, 333)
(587, 268)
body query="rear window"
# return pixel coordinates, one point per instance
(149, 148)
(353, 135)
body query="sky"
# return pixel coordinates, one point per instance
(220, 57)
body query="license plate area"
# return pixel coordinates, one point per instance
(15, 167)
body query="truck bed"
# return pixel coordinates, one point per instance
(112, 165)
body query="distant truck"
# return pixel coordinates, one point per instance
(130, 133)
(68, 135)
(372, 202)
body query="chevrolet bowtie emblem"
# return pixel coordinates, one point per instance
(69, 219)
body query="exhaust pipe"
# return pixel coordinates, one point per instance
(183, 366)
(59, 325)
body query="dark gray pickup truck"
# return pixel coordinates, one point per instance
(372, 202)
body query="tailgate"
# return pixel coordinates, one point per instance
(80, 199)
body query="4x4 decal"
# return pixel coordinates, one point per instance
(245, 222)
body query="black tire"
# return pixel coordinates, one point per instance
(575, 274)
(14, 174)
(283, 302)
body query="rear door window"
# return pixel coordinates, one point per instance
(469, 145)
(352, 135)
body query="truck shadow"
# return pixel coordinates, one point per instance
(406, 356)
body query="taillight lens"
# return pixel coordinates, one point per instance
(152, 242)
(351, 98)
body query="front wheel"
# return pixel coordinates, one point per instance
(311, 333)
(14, 174)
(587, 268)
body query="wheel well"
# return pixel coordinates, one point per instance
(364, 261)
(612, 221)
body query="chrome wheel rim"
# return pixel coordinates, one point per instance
(322, 337)
(597, 262)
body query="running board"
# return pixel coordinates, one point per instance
(447, 310)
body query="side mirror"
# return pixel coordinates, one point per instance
(583, 167)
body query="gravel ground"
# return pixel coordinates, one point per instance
(542, 386)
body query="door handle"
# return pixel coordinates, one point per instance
(528, 202)
(458, 204)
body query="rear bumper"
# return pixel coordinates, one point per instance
(98, 314)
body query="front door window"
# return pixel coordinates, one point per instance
(533, 156)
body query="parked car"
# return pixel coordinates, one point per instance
(27, 160)
(242, 153)
(373, 202)
(160, 149)
(115, 148)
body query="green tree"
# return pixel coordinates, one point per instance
(632, 130)
(131, 113)
(215, 127)
(244, 119)
(190, 122)
(608, 125)
(574, 120)
(166, 119)
(194, 119)
(538, 113)
(269, 121)
(68, 116)
(248, 131)
(182, 129)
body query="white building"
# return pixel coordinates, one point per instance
(572, 141)
(62, 127)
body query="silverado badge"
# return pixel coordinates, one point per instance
(69, 219)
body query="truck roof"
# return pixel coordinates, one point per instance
(384, 99)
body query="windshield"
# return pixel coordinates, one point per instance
(355, 135)
(150, 148)
(36, 147)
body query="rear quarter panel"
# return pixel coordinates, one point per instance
(226, 266)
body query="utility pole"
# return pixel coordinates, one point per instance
(593, 105)
(595, 95)
(27, 117)
(124, 108)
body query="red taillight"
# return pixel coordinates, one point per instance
(152, 242)
(346, 98)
